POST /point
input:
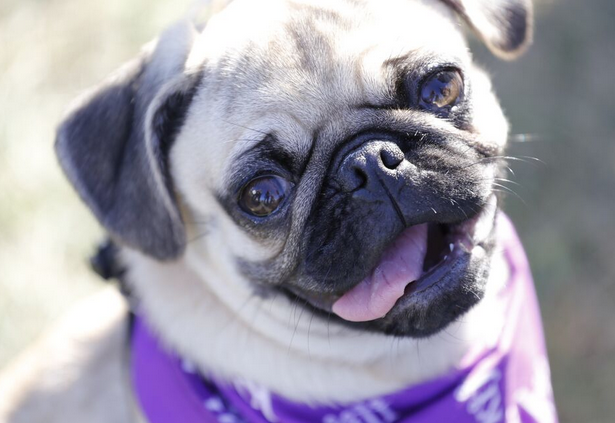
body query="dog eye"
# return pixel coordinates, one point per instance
(263, 195)
(441, 90)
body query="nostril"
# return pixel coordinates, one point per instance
(367, 164)
(391, 157)
(360, 178)
(351, 177)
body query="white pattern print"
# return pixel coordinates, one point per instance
(483, 397)
(259, 398)
(536, 401)
(374, 411)
(223, 414)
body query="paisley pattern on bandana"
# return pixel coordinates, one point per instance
(505, 381)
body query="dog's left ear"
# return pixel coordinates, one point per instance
(113, 145)
(506, 26)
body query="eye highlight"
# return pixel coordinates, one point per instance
(263, 195)
(440, 91)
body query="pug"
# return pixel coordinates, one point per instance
(301, 202)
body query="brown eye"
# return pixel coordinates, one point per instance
(440, 90)
(263, 195)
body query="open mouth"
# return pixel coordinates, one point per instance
(421, 257)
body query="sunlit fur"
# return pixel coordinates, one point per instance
(202, 305)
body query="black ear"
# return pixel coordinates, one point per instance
(504, 25)
(114, 142)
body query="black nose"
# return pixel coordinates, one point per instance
(370, 166)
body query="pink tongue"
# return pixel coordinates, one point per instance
(376, 295)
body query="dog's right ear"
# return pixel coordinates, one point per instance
(505, 26)
(114, 142)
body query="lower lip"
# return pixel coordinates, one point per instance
(464, 240)
(458, 255)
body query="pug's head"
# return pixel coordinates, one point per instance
(339, 154)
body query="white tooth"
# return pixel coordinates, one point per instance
(451, 247)
(445, 257)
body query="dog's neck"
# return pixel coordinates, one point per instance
(278, 344)
(504, 373)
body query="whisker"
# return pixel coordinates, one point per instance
(508, 181)
(523, 159)
(329, 329)
(293, 309)
(455, 203)
(508, 190)
(297, 321)
(535, 159)
(235, 316)
(512, 172)
(308, 336)
(245, 140)
(247, 127)
(455, 338)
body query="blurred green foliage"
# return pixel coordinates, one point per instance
(559, 97)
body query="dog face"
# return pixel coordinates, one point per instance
(338, 154)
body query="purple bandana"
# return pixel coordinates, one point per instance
(505, 382)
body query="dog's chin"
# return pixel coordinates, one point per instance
(453, 278)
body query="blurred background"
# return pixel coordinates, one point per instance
(559, 97)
